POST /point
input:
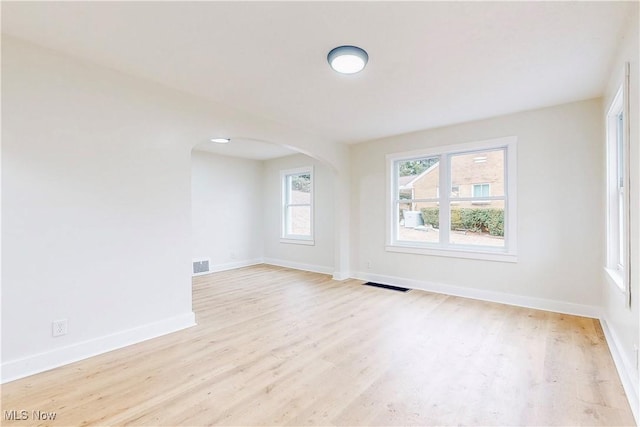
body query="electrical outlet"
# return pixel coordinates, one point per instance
(59, 327)
(369, 265)
(234, 255)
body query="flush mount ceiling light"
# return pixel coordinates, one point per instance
(347, 59)
(220, 140)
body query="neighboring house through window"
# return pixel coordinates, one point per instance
(297, 206)
(474, 219)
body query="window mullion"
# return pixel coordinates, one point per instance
(471, 199)
(445, 188)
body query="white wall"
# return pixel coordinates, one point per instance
(319, 257)
(560, 212)
(226, 210)
(96, 216)
(622, 321)
(95, 212)
(236, 211)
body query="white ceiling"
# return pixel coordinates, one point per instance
(431, 63)
(246, 148)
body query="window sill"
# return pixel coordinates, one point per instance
(615, 279)
(482, 255)
(308, 242)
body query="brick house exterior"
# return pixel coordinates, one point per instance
(473, 175)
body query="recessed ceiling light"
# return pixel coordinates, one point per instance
(347, 59)
(220, 140)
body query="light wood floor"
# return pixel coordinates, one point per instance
(276, 346)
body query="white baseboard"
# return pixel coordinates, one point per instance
(625, 368)
(20, 368)
(214, 268)
(232, 265)
(485, 295)
(299, 266)
(341, 275)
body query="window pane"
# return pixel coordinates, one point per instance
(418, 222)
(299, 220)
(620, 149)
(478, 174)
(299, 187)
(301, 183)
(418, 178)
(477, 226)
(621, 231)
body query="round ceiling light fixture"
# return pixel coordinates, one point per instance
(220, 140)
(347, 59)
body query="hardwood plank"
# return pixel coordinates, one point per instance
(275, 346)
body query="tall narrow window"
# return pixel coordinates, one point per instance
(474, 218)
(617, 192)
(297, 206)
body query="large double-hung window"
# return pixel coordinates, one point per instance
(617, 265)
(454, 201)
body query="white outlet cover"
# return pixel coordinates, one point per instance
(59, 327)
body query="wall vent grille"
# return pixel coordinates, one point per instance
(200, 266)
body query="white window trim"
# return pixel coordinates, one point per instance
(294, 238)
(615, 278)
(506, 254)
(617, 275)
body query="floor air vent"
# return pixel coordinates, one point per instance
(200, 266)
(380, 285)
